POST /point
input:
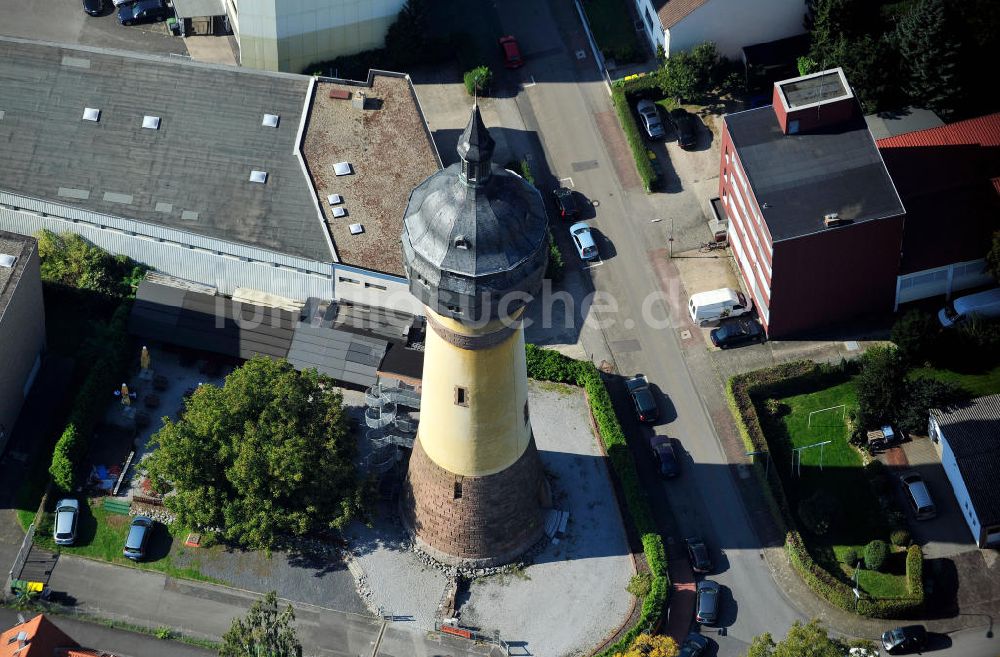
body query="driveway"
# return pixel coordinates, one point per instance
(63, 21)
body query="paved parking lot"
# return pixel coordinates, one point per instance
(63, 21)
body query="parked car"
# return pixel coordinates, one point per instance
(566, 202)
(686, 126)
(694, 645)
(651, 119)
(738, 331)
(918, 495)
(144, 11)
(584, 240)
(707, 606)
(698, 555)
(712, 306)
(64, 527)
(138, 536)
(511, 52)
(982, 304)
(642, 398)
(93, 7)
(664, 456)
(119, 3)
(909, 638)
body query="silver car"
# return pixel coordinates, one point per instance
(138, 536)
(64, 527)
(651, 119)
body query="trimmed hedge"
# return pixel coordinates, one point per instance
(775, 381)
(91, 400)
(634, 138)
(548, 365)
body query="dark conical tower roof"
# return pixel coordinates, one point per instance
(473, 233)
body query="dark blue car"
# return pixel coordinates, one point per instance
(144, 11)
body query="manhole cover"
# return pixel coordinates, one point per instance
(595, 203)
(685, 334)
(581, 54)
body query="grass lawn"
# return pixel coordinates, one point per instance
(985, 383)
(101, 535)
(613, 29)
(840, 477)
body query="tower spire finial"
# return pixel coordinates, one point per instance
(475, 148)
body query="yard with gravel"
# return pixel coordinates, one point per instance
(570, 597)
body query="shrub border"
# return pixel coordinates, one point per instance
(634, 138)
(740, 390)
(549, 365)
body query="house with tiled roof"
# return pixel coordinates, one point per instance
(677, 25)
(967, 437)
(39, 637)
(949, 179)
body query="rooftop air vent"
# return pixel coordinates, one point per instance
(339, 212)
(270, 121)
(358, 101)
(151, 122)
(258, 176)
(91, 114)
(7, 260)
(357, 229)
(342, 168)
(832, 219)
(461, 242)
(335, 199)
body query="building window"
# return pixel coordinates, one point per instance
(458, 488)
(375, 286)
(461, 396)
(527, 417)
(793, 126)
(344, 279)
(649, 21)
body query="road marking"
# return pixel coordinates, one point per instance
(593, 265)
(570, 184)
(533, 83)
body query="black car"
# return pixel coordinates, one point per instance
(642, 397)
(736, 332)
(701, 562)
(909, 638)
(664, 456)
(93, 7)
(144, 11)
(707, 605)
(686, 126)
(566, 202)
(694, 645)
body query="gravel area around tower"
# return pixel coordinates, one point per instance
(570, 597)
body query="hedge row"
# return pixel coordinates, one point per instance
(770, 382)
(91, 400)
(548, 365)
(634, 139)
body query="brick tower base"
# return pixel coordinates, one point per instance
(475, 521)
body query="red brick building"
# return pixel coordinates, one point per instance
(815, 223)
(949, 179)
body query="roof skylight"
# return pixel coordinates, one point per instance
(258, 176)
(270, 121)
(342, 168)
(91, 114)
(151, 122)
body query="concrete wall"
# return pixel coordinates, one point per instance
(22, 336)
(489, 433)
(732, 24)
(652, 29)
(290, 36)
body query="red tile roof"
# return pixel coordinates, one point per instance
(982, 131)
(43, 639)
(673, 12)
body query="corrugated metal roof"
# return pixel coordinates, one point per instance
(973, 433)
(982, 131)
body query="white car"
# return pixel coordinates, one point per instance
(651, 119)
(584, 240)
(64, 527)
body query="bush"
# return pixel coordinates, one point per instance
(556, 266)
(69, 260)
(923, 394)
(876, 553)
(819, 512)
(634, 139)
(478, 80)
(776, 408)
(915, 334)
(880, 386)
(900, 538)
(640, 585)
(850, 557)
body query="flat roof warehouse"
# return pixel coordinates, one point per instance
(193, 171)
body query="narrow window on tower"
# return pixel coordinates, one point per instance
(461, 396)
(526, 416)
(458, 488)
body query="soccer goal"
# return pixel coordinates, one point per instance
(829, 417)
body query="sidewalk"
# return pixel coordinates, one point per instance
(206, 611)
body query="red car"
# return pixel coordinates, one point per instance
(511, 52)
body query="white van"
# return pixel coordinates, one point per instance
(709, 307)
(981, 304)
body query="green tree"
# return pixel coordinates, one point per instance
(880, 386)
(930, 44)
(264, 457)
(915, 334)
(478, 80)
(808, 640)
(651, 645)
(923, 394)
(993, 256)
(407, 38)
(69, 260)
(265, 632)
(689, 75)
